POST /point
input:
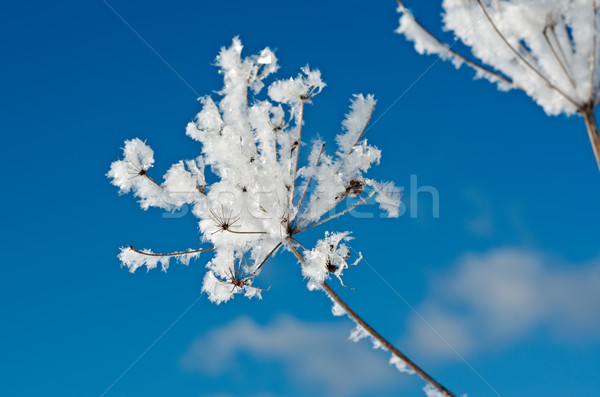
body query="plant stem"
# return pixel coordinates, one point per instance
(336, 215)
(357, 319)
(448, 49)
(592, 128)
(521, 57)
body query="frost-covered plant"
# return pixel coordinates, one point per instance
(547, 48)
(263, 195)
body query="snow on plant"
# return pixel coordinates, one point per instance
(333, 252)
(549, 49)
(263, 195)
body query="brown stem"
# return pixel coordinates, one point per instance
(233, 231)
(357, 319)
(298, 142)
(267, 257)
(555, 53)
(336, 215)
(307, 185)
(521, 57)
(592, 128)
(449, 49)
(144, 173)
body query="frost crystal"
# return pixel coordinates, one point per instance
(328, 257)
(264, 194)
(431, 391)
(358, 333)
(400, 365)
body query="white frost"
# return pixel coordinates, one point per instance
(549, 49)
(259, 191)
(431, 391)
(400, 365)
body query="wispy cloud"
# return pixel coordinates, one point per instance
(491, 216)
(481, 222)
(317, 356)
(504, 296)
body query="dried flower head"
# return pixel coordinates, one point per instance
(264, 194)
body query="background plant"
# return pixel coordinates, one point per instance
(548, 49)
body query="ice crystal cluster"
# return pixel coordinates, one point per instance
(268, 186)
(547, 48)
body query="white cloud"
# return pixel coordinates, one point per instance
(496, 299)
(489, 215)
(317, 356)
(481, 223)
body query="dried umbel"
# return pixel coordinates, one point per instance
(264, 194)
(547, 48)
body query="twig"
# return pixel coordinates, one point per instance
(152, 180)
(451, 51)
(592, 128)
(233, 231)
(304, 222)
(336, 215)
(267, 257)
(297, 143)
(359, 320)
(299, 243)
(560, 62)
(362, 132)
(307, 185)
(525, 61)
(559, 45)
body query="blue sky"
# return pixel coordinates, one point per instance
(507, 274)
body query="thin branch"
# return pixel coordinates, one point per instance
(299, 243)
(139, 171)
(336, 215)
(359, 320)
(525, 61)
(359, 136)
(364, 129)
(267, 257)
(224, 222)
(525, 50)
(343, 159)
(560, 62)
(151, 180)
(307, 185)
(559, 45)
(297, 143)
(238, 278)
(307, 222)
(338, 199)
(472, 64)
(299, 140)
(592, 128)
(131, 247)
(233, 231)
